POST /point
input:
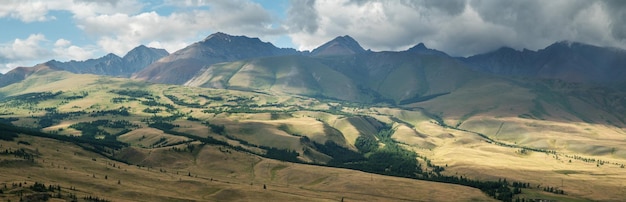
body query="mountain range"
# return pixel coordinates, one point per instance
(108, 65)
(555, 116)
(342, 69)
(565, 60)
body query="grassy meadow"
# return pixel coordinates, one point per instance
(535, 140)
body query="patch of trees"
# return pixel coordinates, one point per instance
(217, 129)
(8, 135)
(393, 159)
(33, 98)
(182, 102)
(95, 199)
(91, 129)
(389, 160)
(159, 142)
(170, 118)
(340, 155)
(214, 98)
(205, 140)
(152, 110)
(8, 120)
(136, 93)
(161, 125)
(239, 100)
(154, 103)
(53, 117)
(191, 118)
(244, 109)
(122, 111)
(103, 147)
(81, 95)
(117, 100)
(281, 154)
(555, 190)
(20, 153)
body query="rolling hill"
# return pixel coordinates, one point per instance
(463, 133)
(541, 124)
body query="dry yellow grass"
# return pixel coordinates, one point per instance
(464, 153)
(211, 174)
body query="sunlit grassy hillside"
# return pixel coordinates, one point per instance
(490, 130)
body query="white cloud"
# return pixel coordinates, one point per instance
(119, 32)
(25, 10)
(460, 27)
(62, 43)
(64, 50)
(24, 49)
(20, 51)
(37, 49)
(38, 10)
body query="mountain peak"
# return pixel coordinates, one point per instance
(422, 49)
(341, 45)
(139, 48)
(111, 55)
(221, 36)
(419, 46)
(144, 51)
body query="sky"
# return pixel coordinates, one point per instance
(35, 31)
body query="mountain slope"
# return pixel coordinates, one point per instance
(298, 75)
(342, 45)
(20, 73)
(342, 70)
(568, 61)
(113, 65)
(182, 65)
(478, 130)
(403, 76)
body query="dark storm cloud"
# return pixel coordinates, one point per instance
(617, 11)
(451, 7)
(302, 16)
(459, 27)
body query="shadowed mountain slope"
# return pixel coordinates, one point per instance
(568, 61)
(368, 77)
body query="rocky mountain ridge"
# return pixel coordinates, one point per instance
(565, 60)
(113, 65)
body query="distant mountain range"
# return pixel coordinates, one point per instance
(113, 65)
(567, 61)
(342, 69)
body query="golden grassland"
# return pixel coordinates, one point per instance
(209, 173)
(239, 176)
